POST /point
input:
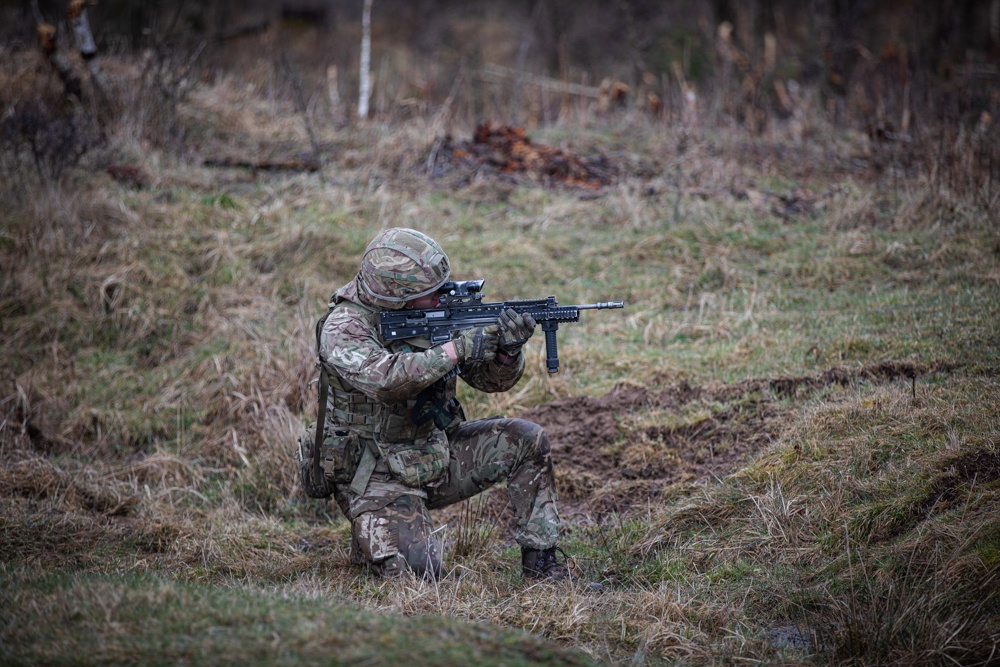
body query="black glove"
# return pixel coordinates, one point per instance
(478, 344)
(515, 330)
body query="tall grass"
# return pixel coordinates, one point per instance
(157, 351)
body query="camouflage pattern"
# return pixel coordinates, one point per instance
(487, 451)
(401, 264)
(398, 537)
(396, 531)
(374, 391)
(350, 345)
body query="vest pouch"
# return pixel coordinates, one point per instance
(396, 425)
(312, 486)
(340, 454)
(419, 463)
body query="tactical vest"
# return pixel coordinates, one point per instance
(361, 431)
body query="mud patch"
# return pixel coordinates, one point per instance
(610, 458)
(982, 467)
(885, 371)
(605, 465)
(712, 446)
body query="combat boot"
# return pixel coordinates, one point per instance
(542, 564)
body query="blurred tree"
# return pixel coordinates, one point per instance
(365, 87)
(77, 15)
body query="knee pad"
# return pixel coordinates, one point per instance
(420, 559)
(398, 538)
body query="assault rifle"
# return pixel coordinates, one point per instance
(461, 307)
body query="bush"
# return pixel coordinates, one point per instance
(47, 140)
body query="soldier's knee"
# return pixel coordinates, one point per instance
(397, 565)
(393, 566)
(420, 559)
(373, 535)
(532, 436)
(397, 539)
(424, 558)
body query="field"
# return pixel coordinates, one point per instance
(783, 450)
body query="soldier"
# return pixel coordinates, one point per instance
(394, 406)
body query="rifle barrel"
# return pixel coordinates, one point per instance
(603, 305)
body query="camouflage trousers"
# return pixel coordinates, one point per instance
(391, 523)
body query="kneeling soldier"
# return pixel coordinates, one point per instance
(396, 435)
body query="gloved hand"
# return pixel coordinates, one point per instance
(478, 344)
(515, 330)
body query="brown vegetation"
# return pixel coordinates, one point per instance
(793, 424)
(508, 151)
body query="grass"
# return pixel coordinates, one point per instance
(157, 349)
(142, 619)
(897, 579)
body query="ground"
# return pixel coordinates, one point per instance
(791, 424)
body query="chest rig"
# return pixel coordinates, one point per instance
(409, 435)
(349, 451)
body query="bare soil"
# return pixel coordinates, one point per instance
(604, 466)
(610, 460)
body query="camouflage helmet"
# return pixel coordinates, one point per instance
(401, 264)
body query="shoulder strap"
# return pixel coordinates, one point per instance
(324, 389)
(320, 424)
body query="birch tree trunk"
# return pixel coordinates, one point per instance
(365, 90)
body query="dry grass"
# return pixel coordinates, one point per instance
(885, 539)
(157, 348)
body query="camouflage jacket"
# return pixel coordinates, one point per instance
(375, 388)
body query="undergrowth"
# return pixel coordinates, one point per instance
(155, 373)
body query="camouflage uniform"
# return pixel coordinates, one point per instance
(378, 392)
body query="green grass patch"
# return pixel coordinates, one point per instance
(64, 618)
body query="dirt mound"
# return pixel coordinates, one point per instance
(625, 448)
(502, 150)
(604, 464)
